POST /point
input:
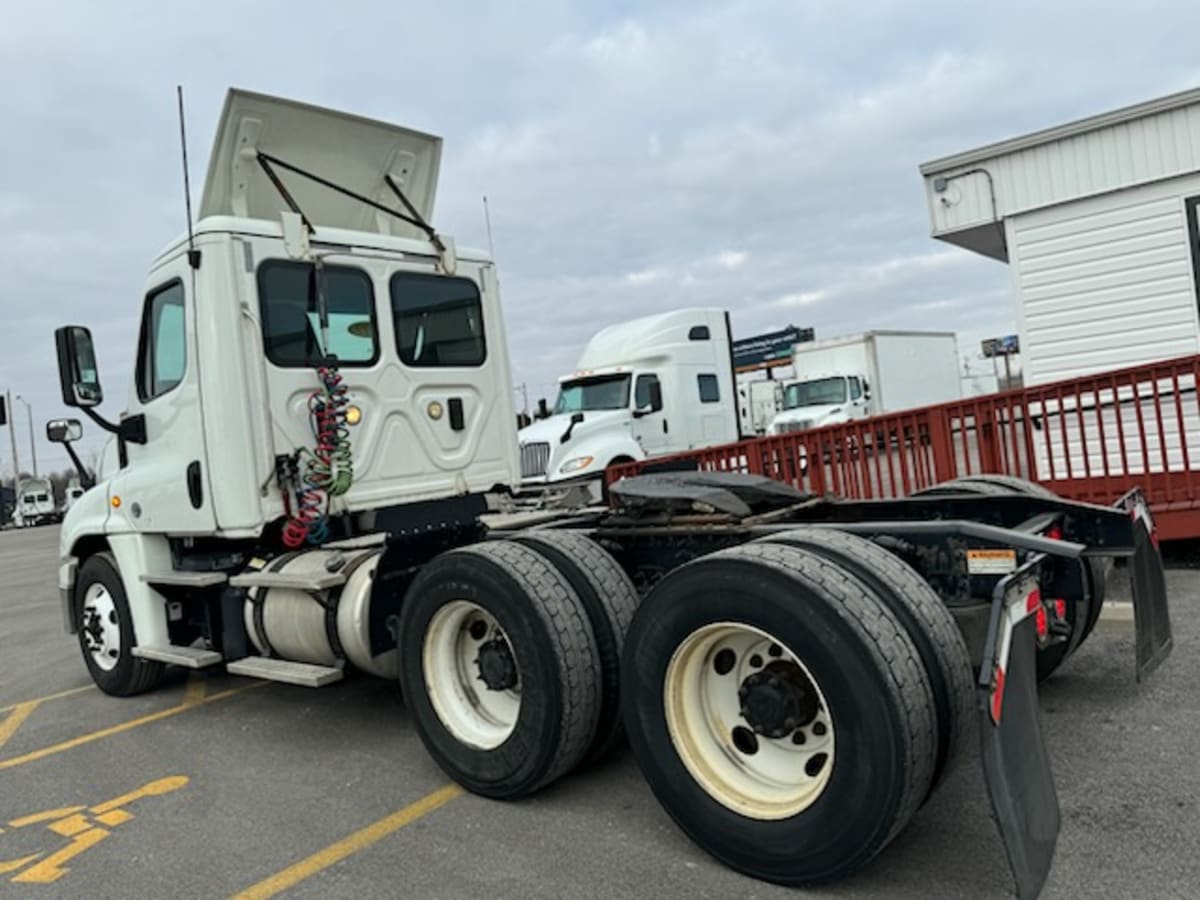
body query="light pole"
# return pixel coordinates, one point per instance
(32, 446)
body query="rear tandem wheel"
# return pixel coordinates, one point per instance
(779, 712)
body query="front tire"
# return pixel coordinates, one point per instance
(106, 635)
(780, 715)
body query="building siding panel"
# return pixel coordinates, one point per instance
(1107, 281)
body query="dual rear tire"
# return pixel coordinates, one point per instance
(782, 712)
(510, 659)
(791, 702)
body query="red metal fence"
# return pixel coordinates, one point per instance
(1088, 439)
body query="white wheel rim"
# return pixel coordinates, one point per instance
(476, 714)
(780, 776)
(102, 630)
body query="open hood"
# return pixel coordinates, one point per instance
(350, 151)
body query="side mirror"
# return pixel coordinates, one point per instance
(77, 373)
(63, 431)
(866, 389)
(576, 418)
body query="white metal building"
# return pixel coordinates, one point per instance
(1098, 221)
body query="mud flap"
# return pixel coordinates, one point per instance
(1016, 766)
(1152, 619)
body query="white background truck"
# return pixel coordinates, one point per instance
(300, 485)
(35, 503)
(842, 379)
(648, 387)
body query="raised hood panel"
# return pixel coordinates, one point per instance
(350, 151)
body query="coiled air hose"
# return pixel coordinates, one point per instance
(329, 466)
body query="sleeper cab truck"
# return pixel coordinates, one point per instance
(647, 387)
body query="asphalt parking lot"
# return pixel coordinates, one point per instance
(215, 785)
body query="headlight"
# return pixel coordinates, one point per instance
(579, 462)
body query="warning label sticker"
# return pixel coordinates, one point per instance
(991, 562)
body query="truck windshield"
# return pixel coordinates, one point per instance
(605, 392)
(815, 393)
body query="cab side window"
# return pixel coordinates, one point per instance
(643, 393)
(162, 347)
(855, 389)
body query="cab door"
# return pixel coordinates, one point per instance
(651, 429)
(162, 485)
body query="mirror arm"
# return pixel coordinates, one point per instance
(100, 420)
(86, 481)
(131, 428)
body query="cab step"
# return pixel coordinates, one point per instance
(179, 578)
(189, 657)
(314, 581)
(303, 674)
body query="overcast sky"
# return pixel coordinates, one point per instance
(760, 156)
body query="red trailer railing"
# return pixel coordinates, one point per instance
(1089, 439)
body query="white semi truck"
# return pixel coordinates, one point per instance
(35, 503)
(648, 387)
(847, 378)
(320, 416)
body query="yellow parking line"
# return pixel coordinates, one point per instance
(78, 690)
(348, 846)
(119, 728)
(195, 690)
(19, 714)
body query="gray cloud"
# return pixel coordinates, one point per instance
(750, 154)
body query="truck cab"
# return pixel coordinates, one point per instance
(648, 387)
(35, 503)
(822, 400)
(313, 359)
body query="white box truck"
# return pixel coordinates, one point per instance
(842, 379)
(652, 386)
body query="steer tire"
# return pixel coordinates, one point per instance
(610, 600)
(131, 675)
(929, 623)
(863, 664)
(546, 626)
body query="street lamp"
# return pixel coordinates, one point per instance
(32, 446)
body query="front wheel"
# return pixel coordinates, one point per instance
(106, 634)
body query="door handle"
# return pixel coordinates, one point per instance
(665, 428)
(455, 405)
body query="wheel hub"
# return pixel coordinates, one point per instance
(777, 700)
(497, 668)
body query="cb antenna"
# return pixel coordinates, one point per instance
(193, 255)
(487, 218)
